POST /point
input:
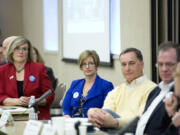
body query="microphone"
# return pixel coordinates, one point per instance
(128, 126)
(46, 94)
(77, 124)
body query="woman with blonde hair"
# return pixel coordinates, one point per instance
(87, 92)
(21, 78)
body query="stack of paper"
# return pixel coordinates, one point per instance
(19, 113)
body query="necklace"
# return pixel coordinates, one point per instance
(85, 92)
(21, 69)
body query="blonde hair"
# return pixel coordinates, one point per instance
(16, 43)
(89, 53)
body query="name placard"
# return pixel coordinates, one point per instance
(33, 127)
(4, 118)
(48, 130)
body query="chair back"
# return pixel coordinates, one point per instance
(59, 93)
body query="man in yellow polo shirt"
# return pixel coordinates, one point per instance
(128, 99)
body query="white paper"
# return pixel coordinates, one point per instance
(14, 110)
(33, 127)
(4, 118)
(48, 130)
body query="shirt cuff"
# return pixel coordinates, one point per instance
(122, 122)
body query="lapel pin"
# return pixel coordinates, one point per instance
(32, 78)
(11, 77)
(75, 95)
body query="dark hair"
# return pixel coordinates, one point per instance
(39, 57)
(170, 45)
(136, 51)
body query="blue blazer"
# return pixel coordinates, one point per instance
(95, 97)
(159, 122)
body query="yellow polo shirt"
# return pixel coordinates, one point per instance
(128, 100)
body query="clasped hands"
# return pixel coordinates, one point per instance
(23, 101)
(101, 118)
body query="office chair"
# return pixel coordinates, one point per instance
(56, 109)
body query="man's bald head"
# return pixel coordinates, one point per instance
(7, 41)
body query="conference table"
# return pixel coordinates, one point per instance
(17, 128)
(20, 116)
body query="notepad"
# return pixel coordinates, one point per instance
(18, 113)
(14, 109)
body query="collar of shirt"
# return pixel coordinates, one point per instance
(165, 87)
(136, 82)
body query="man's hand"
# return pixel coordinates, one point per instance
(94, 116)
(176, 119)
(171, 105)
(101, 118)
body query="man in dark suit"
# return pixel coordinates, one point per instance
(155, 120)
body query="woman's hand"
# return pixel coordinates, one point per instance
(67, 116)
(24, 101)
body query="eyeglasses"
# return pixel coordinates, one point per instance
(89, 64)
(24, 49)
(168, 64)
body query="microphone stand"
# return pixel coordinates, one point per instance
(35, 103)
(33, 114)
(77, 124)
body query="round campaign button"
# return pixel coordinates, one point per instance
(75, 95)
(32, 78)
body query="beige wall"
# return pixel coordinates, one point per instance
(10, 18)
(135, 28)
(135, 32)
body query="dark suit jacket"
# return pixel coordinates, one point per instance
(159, 122)
(51, 76)
(36, 82)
